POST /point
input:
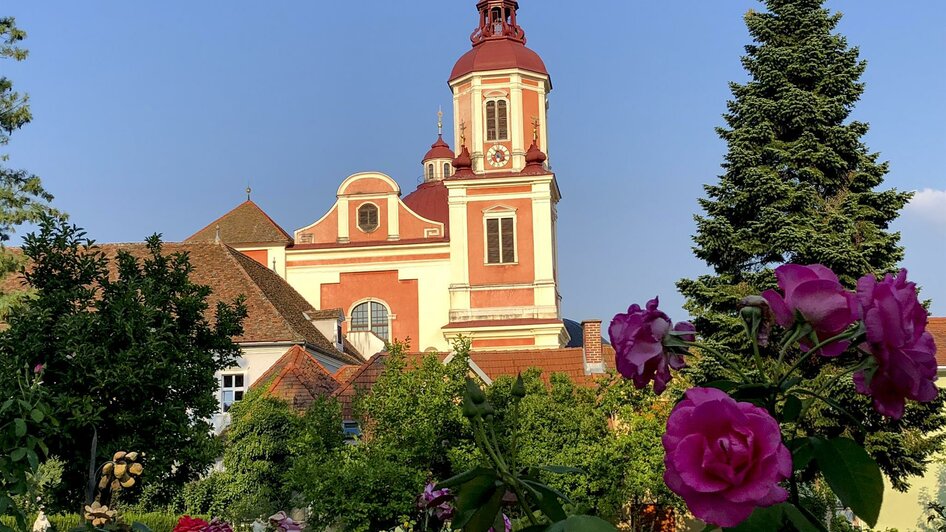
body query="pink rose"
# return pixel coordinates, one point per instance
(38, 368)
(815, 293)
(724, 458)
(898, 340)
(640, 355)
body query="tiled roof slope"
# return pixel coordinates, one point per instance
(297, 378)
(937, 327)
(245, 224)
(274, 308)
(289, 305)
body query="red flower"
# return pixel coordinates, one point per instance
(190, 524)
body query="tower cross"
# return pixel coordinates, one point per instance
(440, 121)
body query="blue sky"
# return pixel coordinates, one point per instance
(153, 116)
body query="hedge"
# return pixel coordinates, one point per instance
(157, 522)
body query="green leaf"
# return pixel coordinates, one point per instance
(803, 520)
(473, 495)
(20, 425)
(32, 459)
(6, 405)
(548, 501)
(18, 454)
(37, 415)
(762, 520)
(485, 516)
(140, 527)
(724, 385)
(802, 453)
(853, 476)
(582, 523)
(463, 477)
(791, 409)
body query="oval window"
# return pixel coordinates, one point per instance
(368, 217)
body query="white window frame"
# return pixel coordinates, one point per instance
(497, 213)
(486, 119)
(351, 318)
(235, 389)
(358, 216)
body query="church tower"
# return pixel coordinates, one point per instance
(500, 90)
(502, 195)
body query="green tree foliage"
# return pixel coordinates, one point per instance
(413, 432)
(265, 438)
(129, 355)
(800, 185)
(612, 433)
(22, 197)
(24, 416)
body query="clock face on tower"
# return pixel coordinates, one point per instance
(498, 156)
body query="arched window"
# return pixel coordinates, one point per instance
(371, 316)
(497, 120)
(368, 217)
(430, 171)
(446, 169)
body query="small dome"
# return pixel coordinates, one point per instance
(535, 159)
(430, 200)
(439, 150)
(463, 164)
(498, 54)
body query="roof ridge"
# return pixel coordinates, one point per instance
(361, 369)
(268, 217)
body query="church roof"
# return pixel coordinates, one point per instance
(430, 201)
(245, 224)
(498, 54)
(297, 378)
(439, 150)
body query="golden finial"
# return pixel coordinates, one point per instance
(462, 133)
(439, 120)
(535, 129)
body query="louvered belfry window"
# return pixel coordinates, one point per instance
(497, 120)
(368, 217)
(500, 241)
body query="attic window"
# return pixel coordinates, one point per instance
(368, 217)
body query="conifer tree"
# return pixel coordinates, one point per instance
(799, 185)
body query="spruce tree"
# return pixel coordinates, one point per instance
(799, 185)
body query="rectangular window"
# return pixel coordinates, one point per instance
(231, 389)
(352, 431)
(497, 120)
(490, 120)
(500, 241)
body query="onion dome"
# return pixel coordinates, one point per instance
(430, 200)
(535, 161)
(439, 150)
(463, 164)
(498, 43)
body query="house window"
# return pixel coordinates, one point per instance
(497, 120)
(351, 430)
(500, 240)
(430, 171)
(231, 389)
(371, 316)
(368, 217)
(446, 169)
